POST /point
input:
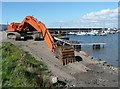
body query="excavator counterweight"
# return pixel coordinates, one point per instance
(35, 28)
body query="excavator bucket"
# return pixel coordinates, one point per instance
(65, 54)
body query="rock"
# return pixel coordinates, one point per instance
(97, 72)
(54, 79)
(92, 57)
(72, 85)
(114, 69)
(103, 62)
(100, 59)
(108, 65)
(67, 85)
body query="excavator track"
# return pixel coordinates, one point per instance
(13, 35)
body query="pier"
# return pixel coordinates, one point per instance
(77, 45)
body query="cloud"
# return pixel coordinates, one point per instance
(102, 18)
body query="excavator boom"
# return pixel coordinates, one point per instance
(39, 26)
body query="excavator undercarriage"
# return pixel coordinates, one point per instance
(31, 27)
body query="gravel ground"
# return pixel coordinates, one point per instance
(86, 73)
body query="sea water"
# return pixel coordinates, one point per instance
(108, 53)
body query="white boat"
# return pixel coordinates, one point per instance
(112, 32)
(118, 31)
(106, 31)
(71, 33)
(81, 33)
(93, 33)
(90, 34)
(103, 34)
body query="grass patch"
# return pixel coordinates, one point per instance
(20, 69)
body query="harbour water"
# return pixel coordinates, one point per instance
(110, 51)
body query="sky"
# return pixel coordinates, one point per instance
(63, 14)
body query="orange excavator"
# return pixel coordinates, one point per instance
(30, 26)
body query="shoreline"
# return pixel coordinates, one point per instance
(101, 69)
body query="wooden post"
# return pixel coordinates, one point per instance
(96, 46)
(77, 47)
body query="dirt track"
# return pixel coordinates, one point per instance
(87, 73)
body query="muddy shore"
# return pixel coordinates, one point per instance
(86, 72)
